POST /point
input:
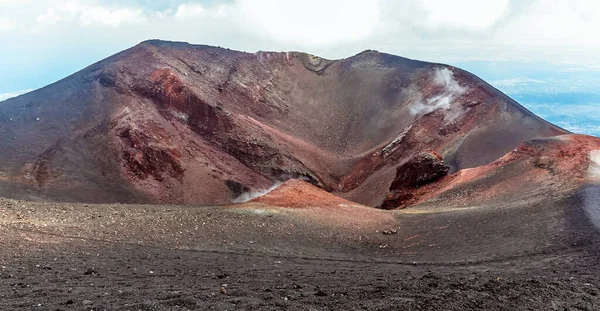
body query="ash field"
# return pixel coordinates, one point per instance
(184, 177)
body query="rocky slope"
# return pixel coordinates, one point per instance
(187, 124)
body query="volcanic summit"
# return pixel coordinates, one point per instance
(169, 122)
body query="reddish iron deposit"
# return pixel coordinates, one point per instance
(266, 182)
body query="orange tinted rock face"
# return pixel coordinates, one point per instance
(144, 158)
(296, 193)
(554, 166)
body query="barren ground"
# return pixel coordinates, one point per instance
(534, 255)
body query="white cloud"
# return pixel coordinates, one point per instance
(190, 10)
(109, 17)
(5, 96)
(470, 15)
(310, 22)
(4, 3)
(90, 14)
(6, 24)
(554, 31)
(567, 23)
(516, 81)
(196, 10)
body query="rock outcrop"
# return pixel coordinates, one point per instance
(424, 168)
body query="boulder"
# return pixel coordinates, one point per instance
(424, 168)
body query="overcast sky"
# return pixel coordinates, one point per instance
(45, 40)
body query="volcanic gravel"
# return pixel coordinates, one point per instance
(255, 257)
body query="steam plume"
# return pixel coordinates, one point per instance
(451, 91)
(247, 196)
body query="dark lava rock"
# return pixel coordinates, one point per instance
(424, 168)
(236, 188)
(90, 271)
(320, 293)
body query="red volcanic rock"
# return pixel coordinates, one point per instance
(300, 194)
(555, 166)
(424, 168)
(144, 158)
(189, 124)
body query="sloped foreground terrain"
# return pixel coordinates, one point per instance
(299, 247)
(540, 253)
(182, 177)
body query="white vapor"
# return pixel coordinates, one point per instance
(594, 169)
(450, 92)
(250, 195)
(591, 194)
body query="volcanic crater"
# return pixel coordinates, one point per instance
(167, 122)
(174, 176)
